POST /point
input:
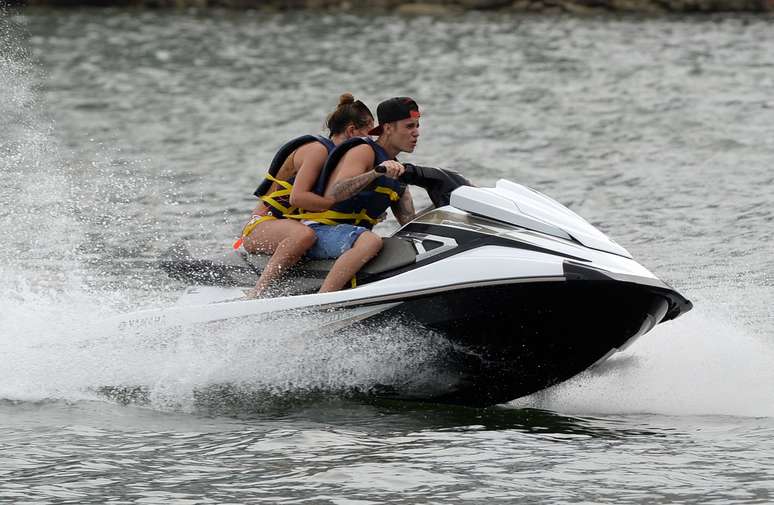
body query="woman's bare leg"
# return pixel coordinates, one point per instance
(287, 239)
(367, 245)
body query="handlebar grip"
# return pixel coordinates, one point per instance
(410, 169)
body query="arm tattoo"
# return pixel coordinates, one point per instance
(346, 188)
(404, 209)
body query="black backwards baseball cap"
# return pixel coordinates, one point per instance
(394, 109)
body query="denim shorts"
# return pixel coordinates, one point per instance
(333, 241)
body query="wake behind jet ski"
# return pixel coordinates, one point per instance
(528, 292)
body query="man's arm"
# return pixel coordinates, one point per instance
(352, 174)
(404, 208)
(347, 188)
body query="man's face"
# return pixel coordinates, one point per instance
(404, 134)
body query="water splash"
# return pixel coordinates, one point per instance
(35, 215)
(168, 368)
(66, 215)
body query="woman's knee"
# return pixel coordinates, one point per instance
(300, 240)
(307, 238)
(263, 238)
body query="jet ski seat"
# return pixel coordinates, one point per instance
(239, 268)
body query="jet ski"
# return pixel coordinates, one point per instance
(528, 293)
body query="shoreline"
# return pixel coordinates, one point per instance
(436, 7)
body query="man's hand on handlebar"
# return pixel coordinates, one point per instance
(391, 169)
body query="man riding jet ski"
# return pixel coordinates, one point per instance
(527, 292)
(362, 193)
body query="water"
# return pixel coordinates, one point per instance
(124, 131)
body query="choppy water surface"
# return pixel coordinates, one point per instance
(122, 132)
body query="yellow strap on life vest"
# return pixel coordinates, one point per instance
(353, 282)
(249, 227)
(274, 203)
(329, 217)
(271, 197)
(284, 184)
(333, 217)
(394, 197)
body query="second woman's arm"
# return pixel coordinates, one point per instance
(302, 195)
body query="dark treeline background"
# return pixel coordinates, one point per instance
(437, 7)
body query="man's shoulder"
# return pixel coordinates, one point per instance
(352, 144)
(359, 154)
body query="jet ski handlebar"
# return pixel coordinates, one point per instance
(438, 183)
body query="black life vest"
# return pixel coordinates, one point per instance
(279, 201)
(365, 208)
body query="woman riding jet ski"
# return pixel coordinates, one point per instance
(287, 189)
